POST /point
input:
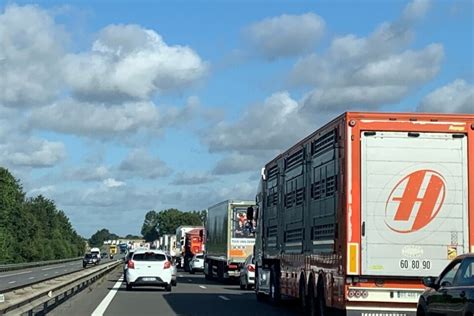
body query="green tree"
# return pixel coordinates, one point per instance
(149, 227)
(98, 238)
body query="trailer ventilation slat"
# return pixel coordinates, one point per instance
(323, 232)
(324, 143)
(294, 235)
(299, 196)
(272, 231)
(295, 159)
(331, 186)
(272, 173)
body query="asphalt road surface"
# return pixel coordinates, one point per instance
(16, 278)
(193, 296)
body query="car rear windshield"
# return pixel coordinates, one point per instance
(200, 256)
(149, 256)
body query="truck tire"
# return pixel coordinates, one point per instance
(302, 294)
(220, 271)
(191, 270)
(321, 309)
(129, 287)
(168, 288)
(310, 309)
(275, 294)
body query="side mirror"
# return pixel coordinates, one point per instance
(250, 213)
(430, 282)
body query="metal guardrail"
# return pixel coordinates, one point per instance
(38, 299)
(19, 266)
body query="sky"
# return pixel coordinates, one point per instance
(115, 108)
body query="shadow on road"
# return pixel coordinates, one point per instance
(224, 304)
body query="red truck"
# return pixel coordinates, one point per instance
(353, 216)
(193, 244)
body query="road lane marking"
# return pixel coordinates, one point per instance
(45, 274)
(202, 287)
(224, 298)
(100, 310)
(12, 274)
(31, 278)
(11, 282)
(45, 269)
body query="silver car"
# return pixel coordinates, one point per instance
(197, 263)
(247, 274)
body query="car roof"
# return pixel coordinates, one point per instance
(148, 251)
(466, 255)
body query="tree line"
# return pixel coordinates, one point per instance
(33, 229)
(98, 238)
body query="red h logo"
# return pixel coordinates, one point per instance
(401, 205)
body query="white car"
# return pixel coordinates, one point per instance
(149, 268)
(247, 274)
(197, 263)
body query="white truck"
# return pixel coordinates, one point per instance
(230, 238)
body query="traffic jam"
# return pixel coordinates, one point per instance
(369, 215)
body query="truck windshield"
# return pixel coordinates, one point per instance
(241, 227)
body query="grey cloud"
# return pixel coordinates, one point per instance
(238, 163)
(455, 97)
(285, 35)
(139, 163)
(192, 178)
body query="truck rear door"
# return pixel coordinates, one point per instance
(414, 202)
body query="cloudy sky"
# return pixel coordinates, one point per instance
(117, 108)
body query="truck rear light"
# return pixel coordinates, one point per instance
(167, 265)
(131, 264)
(233, 266)
(251, 267)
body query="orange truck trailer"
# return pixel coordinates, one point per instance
(353, 216)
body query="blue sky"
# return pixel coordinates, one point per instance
(119, 107)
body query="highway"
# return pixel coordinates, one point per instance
(193, 296)
(10, 279)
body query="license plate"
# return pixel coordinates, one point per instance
(409, 295)
(149, 279)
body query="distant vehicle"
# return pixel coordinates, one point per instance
(149, 268)
(123, 248)
(96, 251)
(229, 239)
(353, 216)
(452, 293)
(181, 243)
(174, 274)
(197, 263)
(112, 251)
(103, 255)
(247, 274)
(90, 259)
(193, 245)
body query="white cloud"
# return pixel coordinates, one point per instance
(87, 173)
(272, 125)
(455, 97)
(368, 72)
(32, 152)
(139, 163)
(128, 62)
(285, 35)
(112, 183)
(31, 47)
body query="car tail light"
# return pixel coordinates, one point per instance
(131, 264)
(167, 265)
(251, 268)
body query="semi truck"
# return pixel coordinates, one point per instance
(230, 238)
(193, 245)
(180, 243)
(352, 217)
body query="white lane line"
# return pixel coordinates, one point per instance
(202, 287)
(31, 278)
(224, 298)
(181, 276)
(12, 274)
(11, 282)
(45, 269)
(100, 310)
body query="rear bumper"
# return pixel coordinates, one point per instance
(141, 281)
(369, 311)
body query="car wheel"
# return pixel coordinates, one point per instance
(168, 288)
(129, 287)
(191, 271)
(174, 283)
(420, 311)
(242, 286)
